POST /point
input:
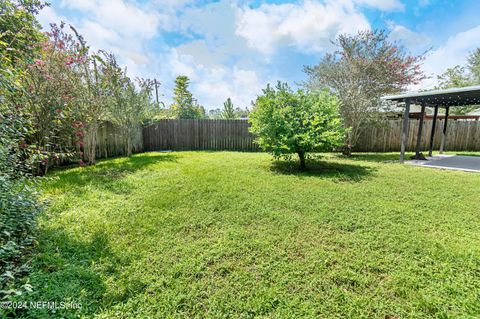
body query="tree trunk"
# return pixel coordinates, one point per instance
(351, 139)
(129, 146)
(91, 144)
(347, 150)
(301, 156)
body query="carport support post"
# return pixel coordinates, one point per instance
(444, 133)
(419, 135)
(432, 133)
(404, 131)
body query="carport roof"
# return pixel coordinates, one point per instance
(469, 95)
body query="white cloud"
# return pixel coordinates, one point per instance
(384, 5)
(414, 41)
(48, 15)
(118, 26)
(182, 64)
(242, 86)
(125, 18)
(309, 26)
(219, 64)
(212, 85)
(84, 5)
(453, 52)
(202, 53)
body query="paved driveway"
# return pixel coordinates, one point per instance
(463, 163)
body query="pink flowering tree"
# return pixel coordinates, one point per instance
(364, 67)
(51, 87)
(69, 95)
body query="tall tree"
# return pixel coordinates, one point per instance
(52, 85)
(228, 110)
(132, 106)
(364, 67)
(461, 76)
(473, 63)
(183, 102)
(454, 77)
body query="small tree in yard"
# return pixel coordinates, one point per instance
(363, 68)
(287, 122)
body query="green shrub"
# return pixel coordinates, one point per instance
(287, 122)
(18, 208)
(18, 200)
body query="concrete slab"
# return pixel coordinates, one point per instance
(452, 162)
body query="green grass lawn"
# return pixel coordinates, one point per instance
(236, 235)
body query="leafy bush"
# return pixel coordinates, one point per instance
(287, 122)
(18, 208)
(18, 200)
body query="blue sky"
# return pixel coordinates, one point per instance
(234, 48)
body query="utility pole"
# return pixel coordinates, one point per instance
(157, 84)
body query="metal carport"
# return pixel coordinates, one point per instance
(437, 99)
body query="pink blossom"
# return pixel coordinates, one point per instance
(77, 124)
(69, 61)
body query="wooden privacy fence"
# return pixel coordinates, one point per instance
(110, 141)
(198, 135)
(462, 135)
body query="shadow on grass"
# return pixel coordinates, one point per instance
(393, 157)
(324, 169)
(68, 270)
(106, 174)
